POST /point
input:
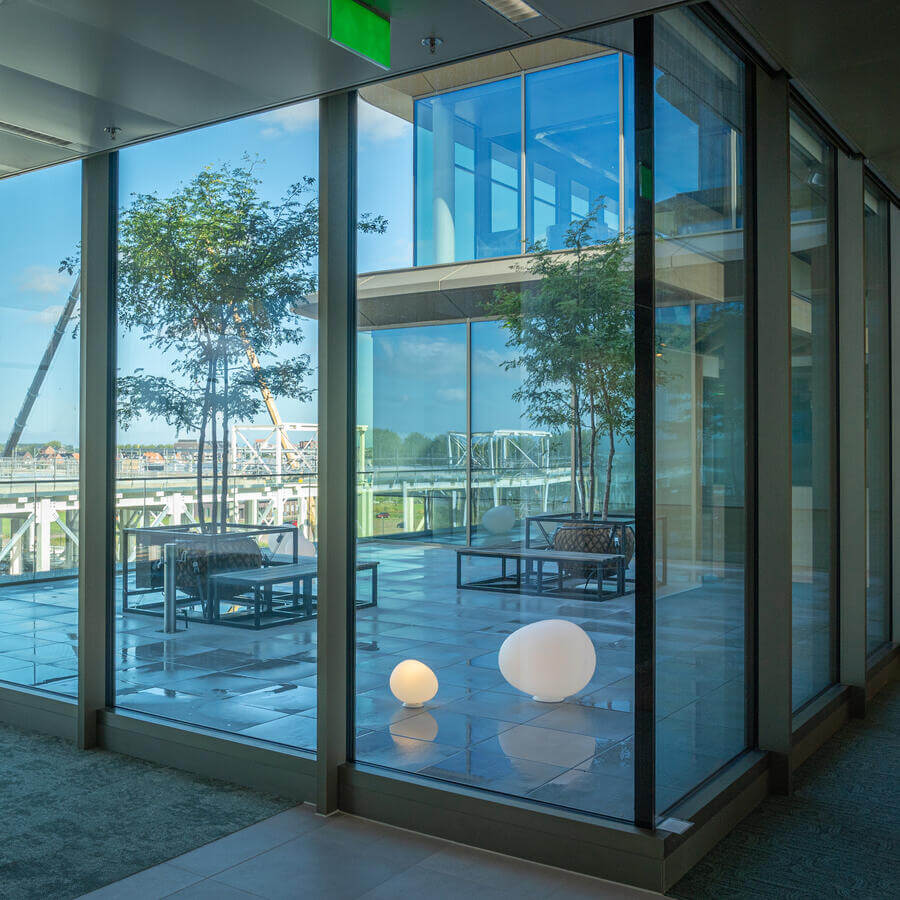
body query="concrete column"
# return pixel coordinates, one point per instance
(15, 553)
(44, 516)
(96, 556)
(852, 421)
(444, 185)
(895, 423)
(773, 357)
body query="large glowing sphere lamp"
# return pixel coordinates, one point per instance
(413, 683)
(550, 660)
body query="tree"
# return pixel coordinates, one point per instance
(386, 446)
(573, 336)
(211, 277)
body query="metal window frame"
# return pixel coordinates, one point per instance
(894, 286)
(644, 429)
(97, 438)
(871, 182)
(852, 434)
(336, 670)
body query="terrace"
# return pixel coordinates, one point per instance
(478, 730)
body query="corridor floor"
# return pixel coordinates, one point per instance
(838, 835)
(299, 854)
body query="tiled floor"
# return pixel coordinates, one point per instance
(478, 730)
(299, 854)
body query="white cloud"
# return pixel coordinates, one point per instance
(290, 119)
(451, 395)
(44, 280)
(374, 124)
(378, 125)
(49, 315)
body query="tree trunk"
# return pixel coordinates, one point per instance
(609, 465)
(214, 512)
(579, 450)
(225, 443)
(201, 449)
(592, 463)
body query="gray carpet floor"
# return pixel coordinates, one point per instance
(837, 836)
(72, 821)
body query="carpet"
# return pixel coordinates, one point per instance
(72, 821)
(837, 836)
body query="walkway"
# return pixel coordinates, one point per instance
(299, 854)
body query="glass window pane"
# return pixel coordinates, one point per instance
(572, 133)
(700, 405)
(878, 418)
(216, 448)
(468, 463)
(480, 129)
(40, 230)
(812, 417)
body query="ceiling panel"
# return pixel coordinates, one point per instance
(844, 56)
(72, 67)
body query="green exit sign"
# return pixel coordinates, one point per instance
(363, 30)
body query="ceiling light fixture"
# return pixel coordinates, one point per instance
(431, 42)
(514, 10)
(33, 135)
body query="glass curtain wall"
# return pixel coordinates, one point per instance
(878, 419)
(700, 404)
(215, 590)
(568, 121)
(40, 230)
(813, 657)
(487, 418)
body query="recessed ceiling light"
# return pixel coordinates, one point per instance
(31, 134)
(514, 10)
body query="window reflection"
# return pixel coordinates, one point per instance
(39, 453)
(216, 456)
(812, 403)
(495, 485)
(700, 405)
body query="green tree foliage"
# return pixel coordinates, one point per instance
(211, 277)
(572, 333)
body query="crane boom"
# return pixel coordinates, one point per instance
(62, 323)
(268, 399)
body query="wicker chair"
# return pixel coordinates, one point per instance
(586, 537)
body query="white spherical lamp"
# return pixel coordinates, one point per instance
(283, 544)
(550, 660)
(413, 683)
(499, 519)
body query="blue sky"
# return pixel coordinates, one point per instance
(40, 223)
(419, 382)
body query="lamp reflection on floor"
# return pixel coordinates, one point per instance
(423, 727)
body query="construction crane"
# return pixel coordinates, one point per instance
(62, 323)
(287, 444)
(59, 330)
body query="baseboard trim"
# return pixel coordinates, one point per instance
(33, 710)
(288, 773)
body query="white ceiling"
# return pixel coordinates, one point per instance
(845, 55)
(71, 68)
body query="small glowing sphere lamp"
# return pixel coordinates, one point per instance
(413, 683)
